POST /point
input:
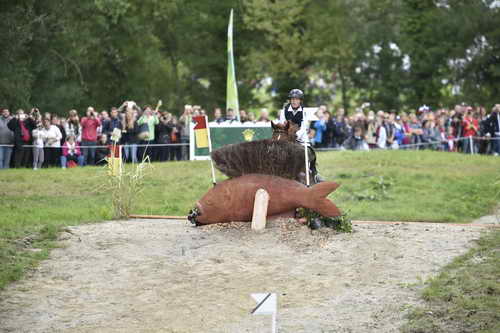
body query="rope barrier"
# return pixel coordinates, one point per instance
(137, 145)
(317, 149)
(430, 143)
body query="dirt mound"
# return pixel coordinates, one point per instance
(138, 276)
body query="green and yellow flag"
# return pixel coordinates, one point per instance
(232, 89)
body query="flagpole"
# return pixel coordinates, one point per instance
(214, 181)
(231, 85)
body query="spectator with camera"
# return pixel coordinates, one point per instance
(71, 153)
(130, 135)
(150, 119)
(72, 126)
(22, 126)
(163, 132)
(89, 124)
(6, 139)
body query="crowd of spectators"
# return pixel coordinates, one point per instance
(37, 139)
(461, 129)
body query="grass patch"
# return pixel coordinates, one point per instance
(465, 296)
(382, 185)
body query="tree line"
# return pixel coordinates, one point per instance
(395, 54)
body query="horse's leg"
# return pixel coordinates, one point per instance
(313, 171)
(301, 177)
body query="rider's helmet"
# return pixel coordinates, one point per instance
(296, 93)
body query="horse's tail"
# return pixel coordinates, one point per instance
(278, 158)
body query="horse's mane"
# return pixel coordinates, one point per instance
(278, 158)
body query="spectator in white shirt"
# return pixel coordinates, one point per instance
(39, 138)
(52, 143)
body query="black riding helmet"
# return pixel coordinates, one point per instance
(296, 93)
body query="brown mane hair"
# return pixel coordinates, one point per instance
(270, 157)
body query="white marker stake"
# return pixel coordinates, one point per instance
(260, 205)
(266, 305)
(308, 181)
(309, 114)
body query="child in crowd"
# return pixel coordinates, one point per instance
(102, 152)
(39, 138)
(450, 141)
(71, 152)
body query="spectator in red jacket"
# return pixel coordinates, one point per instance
(22, 126)
(90, 123)
(71, 152)
(470, 127)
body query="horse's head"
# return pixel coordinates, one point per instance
(284, 132)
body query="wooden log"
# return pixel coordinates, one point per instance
(259, 216)
(159, 217)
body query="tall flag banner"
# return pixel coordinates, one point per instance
(201, 131)
(232, 89)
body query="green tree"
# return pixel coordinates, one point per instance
(283, 52)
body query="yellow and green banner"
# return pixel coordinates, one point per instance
(225, 135)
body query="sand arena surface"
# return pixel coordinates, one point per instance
(166, 276)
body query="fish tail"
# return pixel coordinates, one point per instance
(316, 199)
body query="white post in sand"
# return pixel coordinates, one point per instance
(267, 304)
(260, 210)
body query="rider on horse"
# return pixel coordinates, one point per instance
(294, 113)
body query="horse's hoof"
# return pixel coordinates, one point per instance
(318, 178)
(315, 223)
(193, 214)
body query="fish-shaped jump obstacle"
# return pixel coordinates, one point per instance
(233, 199)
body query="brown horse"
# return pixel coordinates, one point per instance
(288, 132)
(285, 132)
(280, 156)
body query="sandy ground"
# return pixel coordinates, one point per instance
(166, 276)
